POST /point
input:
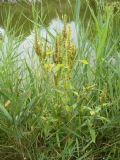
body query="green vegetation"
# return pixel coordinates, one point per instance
(68, 106)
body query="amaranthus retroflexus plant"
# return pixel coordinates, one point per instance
(57, 58)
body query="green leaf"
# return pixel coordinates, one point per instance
(93, 134)
(58, 140)
(5, 113)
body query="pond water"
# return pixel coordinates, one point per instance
(52, 12)
(50, 9)
(22, 17)
(25, 48)
(22, 14)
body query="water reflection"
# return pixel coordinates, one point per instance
(54, 27)
(22, 13)
(3, 42)
(25, 49)
(2, 32)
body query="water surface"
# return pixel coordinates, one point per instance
(51, 12)
(22, 14)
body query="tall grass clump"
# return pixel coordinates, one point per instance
(68, 106)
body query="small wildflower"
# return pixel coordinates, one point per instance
(59, 66)
(84, 61)
(48, 67)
